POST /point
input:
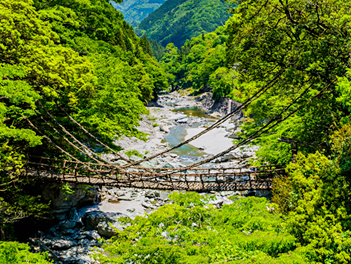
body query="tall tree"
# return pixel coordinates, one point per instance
(308, 42)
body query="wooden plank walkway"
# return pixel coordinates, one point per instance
(197, 179)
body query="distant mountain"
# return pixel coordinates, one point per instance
(178, 20)
(135, 11)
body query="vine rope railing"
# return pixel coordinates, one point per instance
(274, 121)
(198, 179)
(265, 128)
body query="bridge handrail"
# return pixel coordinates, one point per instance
(155, 168)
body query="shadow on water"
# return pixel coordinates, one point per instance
(177, 135)
(193, 112)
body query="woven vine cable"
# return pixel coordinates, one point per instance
(88, 151)
(68, 141)
(219, 122)
(259, 132)
(91, 135)
(48, 139)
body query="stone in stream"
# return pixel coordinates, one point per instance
(91, 234)
(183, 120)
(120, 193)
(135, 158)
(173, 155)
(148, 205)
(165, 129)
(62, 244)
(168, 166)
(126, 197)
(73, 215)
(61, 203)
(67, 224)
(100, 221)
(152, 194)
(114, 200)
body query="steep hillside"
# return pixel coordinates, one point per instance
(135, 11)
(178, 20)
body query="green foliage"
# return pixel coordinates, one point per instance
(283, 195)
(317, 201)
(133, 152)
(14, 252)
(189, 199)
(188, 231)
(15, 202)
(179, 20)
(67, 189)
(79, 55)
(309, 45)
(157, 49)
(85, 57)
(197, 64)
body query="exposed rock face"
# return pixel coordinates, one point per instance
(61, 203)
(73, 239)
(223, 106)
(101, 221)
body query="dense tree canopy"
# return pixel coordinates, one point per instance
(309, 43)
(179, 20)
(195, 63)
(79, 56)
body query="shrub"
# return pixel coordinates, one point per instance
(15, 253)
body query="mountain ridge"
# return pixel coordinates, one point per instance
(179, 20)
(135, 11)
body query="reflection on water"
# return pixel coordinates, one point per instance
(177, 135)
(193, 112)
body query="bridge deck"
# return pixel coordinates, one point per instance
(197, 179)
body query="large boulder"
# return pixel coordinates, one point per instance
(104, 222)
(61, 202)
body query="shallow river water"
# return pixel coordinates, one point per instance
(179, 132)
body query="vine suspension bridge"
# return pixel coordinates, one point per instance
(196, 179)
(191, 177)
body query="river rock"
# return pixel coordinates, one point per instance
(62, 244)
(68, 224)
(126, 197)
(120, 162)
(73, 215)
(165, 129)
(234, 136)
(217, 203)
(168, 166)
(228, 157)
(61, 203)
(113, 200)
(97, 220)
(152, 194)
(91, 234)
(148, 205)
(68, 232)
(182, 120)
(120, 193)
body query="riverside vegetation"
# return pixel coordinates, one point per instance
(83, 56)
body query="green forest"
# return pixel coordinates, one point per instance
(75, 57)
(179, 20)
(287, 61)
